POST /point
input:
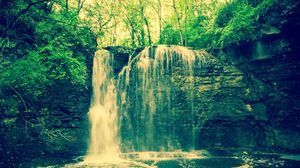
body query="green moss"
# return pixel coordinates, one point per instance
(9, 121)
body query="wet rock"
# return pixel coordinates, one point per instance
(260, 110)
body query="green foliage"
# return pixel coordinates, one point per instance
(35, 63)
(43, 53)
(24, 74)
(9, 106)
(224, 15)
(242, 26)
(66, 30)
(54, 61)
(201, 34)
(169, 35)
(248, 21)
(9, 121)
(230, 23)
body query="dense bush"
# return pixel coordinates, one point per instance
(241, 27)
(224, 15)
(169, 35)
(233, 23)
(59, 57)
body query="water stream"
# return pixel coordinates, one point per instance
(147, 98)
(104, 140)
(142, 90)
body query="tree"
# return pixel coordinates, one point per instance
(142, 12)
(80, 4)
(136, 21)
(102, 15)
(179, 21)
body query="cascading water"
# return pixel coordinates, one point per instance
(146, 98)
(156, 101)
(142, 99)
(104, 142)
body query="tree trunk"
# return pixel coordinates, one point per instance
(142, 11)
(179, 22)
(142, 41)
(186, 10)
(159, 19)
(67, 5)
(148, 30)
(132, 30)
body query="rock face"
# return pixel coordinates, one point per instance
(274, 61)
(272, 102)
(121, 56)
(252, 113)
(233, 106)
(59, 131)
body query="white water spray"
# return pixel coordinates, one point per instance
(145, 87)
(104, 142)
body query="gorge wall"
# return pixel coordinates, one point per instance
(232, 107)
(273, 60)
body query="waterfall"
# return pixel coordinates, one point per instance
(147, 98)
(142, 104)
(104, 143)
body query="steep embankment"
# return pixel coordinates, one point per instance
(224, 105)
(45, 82)
(273, 59)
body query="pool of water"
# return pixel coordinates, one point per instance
(196, 159)
(224, 158)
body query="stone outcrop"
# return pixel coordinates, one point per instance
(121, 56)
(274, 61)
(246, 111)
(233, 105)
